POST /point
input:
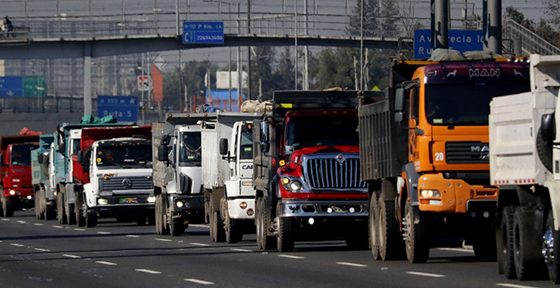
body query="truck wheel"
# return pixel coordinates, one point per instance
(177, 228)
(526, 267)
(160, 216)
(390, 239)
(262, 217)
(416, 238)
(233, 231)
(70, 215)
(60, 213)
(7, 208)
(372, 226)
(550, 249)
(217, 232)
(81, 211)
(50, 212)
(38, 207)
(91, 219)
(507, 243)
(285, 235)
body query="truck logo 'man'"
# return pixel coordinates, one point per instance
(484, 72)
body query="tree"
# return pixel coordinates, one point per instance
(375, 11)
(193, 79)
(262, 62)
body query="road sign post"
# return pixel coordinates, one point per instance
(144, 82)
(461, 40)
(203, 32)
(124, 108)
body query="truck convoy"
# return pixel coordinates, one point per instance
(45, 199)
(15, 171)
(306, 170)
(227, 173)
(114, 168)
(525, 163)
(64, 162)
(177, 172)
(424, 155)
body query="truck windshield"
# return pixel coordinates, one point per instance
(322, 131)
(246, 147)
(21, 155)
(465, 105)
(124, 156)
(190, 151)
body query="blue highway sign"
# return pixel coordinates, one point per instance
(124, 108)
(11, 87)
(203, 32)
(461, 40)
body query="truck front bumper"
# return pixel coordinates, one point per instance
(18, 192)
(236, 210)
(327, 208)
(105, 203)
(186, 203)
(455, 195)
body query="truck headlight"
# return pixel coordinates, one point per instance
(102, 201)
(295, 185)
(179, 204)
(152, 199)
(16, 180)
(292, 184)
(12, 192)
(428, 193)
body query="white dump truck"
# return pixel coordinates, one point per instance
(177, 173)
(525, 164)
(227, 165)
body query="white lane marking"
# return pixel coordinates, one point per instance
(291, 256)
(17, 245)
(198, 281)
(148, 271)
(57, 226)
(164, 240)
(133, 236)
(42, 250)
(351, 264)
(21, 222)
(513, 285)
(199, 244)
(71, 256)
(38, 224)
(5, 219)
(103, 232)
(425, 274)
(241, 250)
(456, 250)
(199, 225)
(79, 229)
(106, 263)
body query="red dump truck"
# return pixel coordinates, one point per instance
(15, 171)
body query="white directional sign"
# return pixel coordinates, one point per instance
(160, 63)
(144, 83)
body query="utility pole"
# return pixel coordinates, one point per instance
(306, 52)
(249, 49)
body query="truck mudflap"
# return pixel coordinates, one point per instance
(334, 208)
(243, 208)
(184, 203)
(438, 194)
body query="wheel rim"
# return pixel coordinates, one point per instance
(382, 226)
(548, 247)
(373, 234)
(516, 244)
(408, 230)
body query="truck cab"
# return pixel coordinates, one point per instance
(18, 190)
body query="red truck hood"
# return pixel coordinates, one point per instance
(325, 149)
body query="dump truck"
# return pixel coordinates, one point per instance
(177, 172)
(115, 173)
(227, 172)
(424, 155)
(524, 163)
(15, 171)
(306, 170)
(45, 199)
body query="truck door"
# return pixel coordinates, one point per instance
(413, 131)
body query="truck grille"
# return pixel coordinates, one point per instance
(466, 153)
(333, 171)
(126, 183)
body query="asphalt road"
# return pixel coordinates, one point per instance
(38, 253)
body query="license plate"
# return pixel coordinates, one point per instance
(128, 200)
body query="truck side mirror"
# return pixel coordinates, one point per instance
(548, 129)
(40, 158)
(223, 146)
(2, 163)
(165, 140)
(399, 100)
(264, 137)
(81, 158)
(163, 152)
(85, 158)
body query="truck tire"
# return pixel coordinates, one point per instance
(70, 215)
(544, 151)
(91, 219)
(262, 216)
(38, 207)
(177, 228)
(50, 212)
(217, 232)
(7, 208)
(416, 239)
(551, 250)
(526, 267)
(160, 216)
(372, 226)
(285, 237)
(390, 239)
(60, 213)
(81, 211)
(506, 225)
(233, 230)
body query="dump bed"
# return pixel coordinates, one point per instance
(40, 171)
(215, 169)
(515, 121)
